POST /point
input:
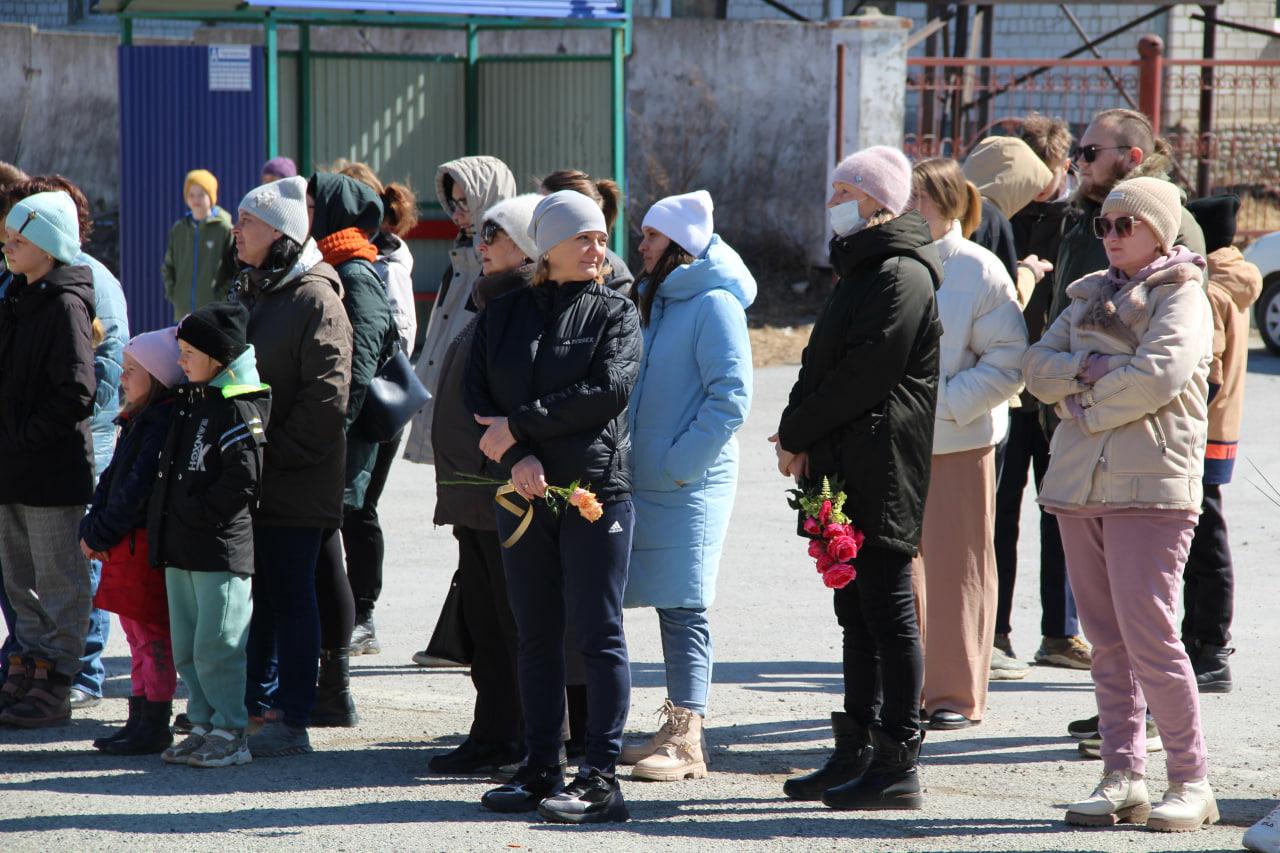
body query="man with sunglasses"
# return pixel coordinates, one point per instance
(1118, 144)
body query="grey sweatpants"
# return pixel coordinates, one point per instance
(47, 579)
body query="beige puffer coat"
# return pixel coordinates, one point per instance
(1141, 439)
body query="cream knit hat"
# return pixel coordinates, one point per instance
(1155, 201)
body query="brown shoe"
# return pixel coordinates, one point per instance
(1066, 652)
(47, 701)
(15, 686)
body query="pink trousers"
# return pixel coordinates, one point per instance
(152, 671)
(1126, 573)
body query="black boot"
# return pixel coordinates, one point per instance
(1213, 675)
(849, 761)
(891, 782)
(135, 713)
(150, 735)
(474, 756)
(334, 706)
(530, 786)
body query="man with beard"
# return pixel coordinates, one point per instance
(1118, 144)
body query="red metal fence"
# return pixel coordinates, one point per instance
(953, 103)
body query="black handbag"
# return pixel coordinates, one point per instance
(451, 639)
(394, 396)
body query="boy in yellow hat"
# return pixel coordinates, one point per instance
(199, 261)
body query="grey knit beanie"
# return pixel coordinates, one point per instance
(281, 204)
(562, 215)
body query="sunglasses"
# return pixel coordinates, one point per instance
(1123, 226)
(1089, 153)
(489, 232)
(456, 204)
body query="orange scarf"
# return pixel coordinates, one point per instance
(341, 246)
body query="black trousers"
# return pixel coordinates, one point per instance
(566, 568)
(1209, 580)
(483, 586)
(333, 594)
(883, 661)
(362, 535)
(1028, 447)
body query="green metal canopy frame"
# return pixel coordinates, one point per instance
(271, 17)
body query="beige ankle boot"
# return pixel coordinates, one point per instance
(680, 755)
(635, 751)
(1186, 807)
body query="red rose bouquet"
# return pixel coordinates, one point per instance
(834, 542)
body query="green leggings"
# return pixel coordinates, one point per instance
(209, 619)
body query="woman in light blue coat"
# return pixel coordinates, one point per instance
(692, 396)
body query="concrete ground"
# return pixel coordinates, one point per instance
(1000, 786)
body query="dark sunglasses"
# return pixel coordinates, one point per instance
(1123, 226)
(489, 232)
(1089, 153)
(456, 205)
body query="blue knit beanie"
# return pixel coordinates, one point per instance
(51, 221)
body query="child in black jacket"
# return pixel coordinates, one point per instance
(200, 530)
(114, 531)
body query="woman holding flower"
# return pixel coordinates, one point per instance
(550, 372)
(693, 394)
(861, 412)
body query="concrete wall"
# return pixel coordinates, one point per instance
(745, 110)
(61, 107)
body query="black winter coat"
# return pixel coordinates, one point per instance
(1037, 230)
(863, 405)
(207, 484)
(559, 361)
(995, 234)
(124, 490)
(455, 435)
(47, 388)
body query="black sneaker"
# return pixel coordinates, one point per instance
(592, 797)
(473, 756)
(1084, 729)
(530, 786)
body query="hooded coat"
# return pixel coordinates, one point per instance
(341, 203)
(302, 338)
(108, 359)
(692, 396)
(485, 181)
(1009, 176)
(863, 404)
(395, 268)
(1234, 285)
(47, 388)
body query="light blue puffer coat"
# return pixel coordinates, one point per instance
(108, 360)
(693, 394)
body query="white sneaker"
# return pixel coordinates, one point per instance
(1121, 797)
(1264, 836)
(1186, 807)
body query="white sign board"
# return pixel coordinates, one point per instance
(230, 68)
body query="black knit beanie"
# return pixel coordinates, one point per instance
(219, 330)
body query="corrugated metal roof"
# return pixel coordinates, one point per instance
(568, 10)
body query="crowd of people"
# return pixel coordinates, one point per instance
(1038, 306)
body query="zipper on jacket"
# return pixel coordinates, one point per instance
(1159, 433)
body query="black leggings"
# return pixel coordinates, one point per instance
(333, 594)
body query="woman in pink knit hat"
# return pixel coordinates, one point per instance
(861, 413)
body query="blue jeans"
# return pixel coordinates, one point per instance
(687, 651)
(283, 653)
(92, 673)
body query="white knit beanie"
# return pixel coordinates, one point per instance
(685, 220)
(1155, 201)
(281, 204)
(513, 216)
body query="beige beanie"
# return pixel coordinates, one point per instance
(1155, 201)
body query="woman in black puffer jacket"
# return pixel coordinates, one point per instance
(862, 411)
(550, 372)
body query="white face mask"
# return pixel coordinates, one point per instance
(846, 218)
